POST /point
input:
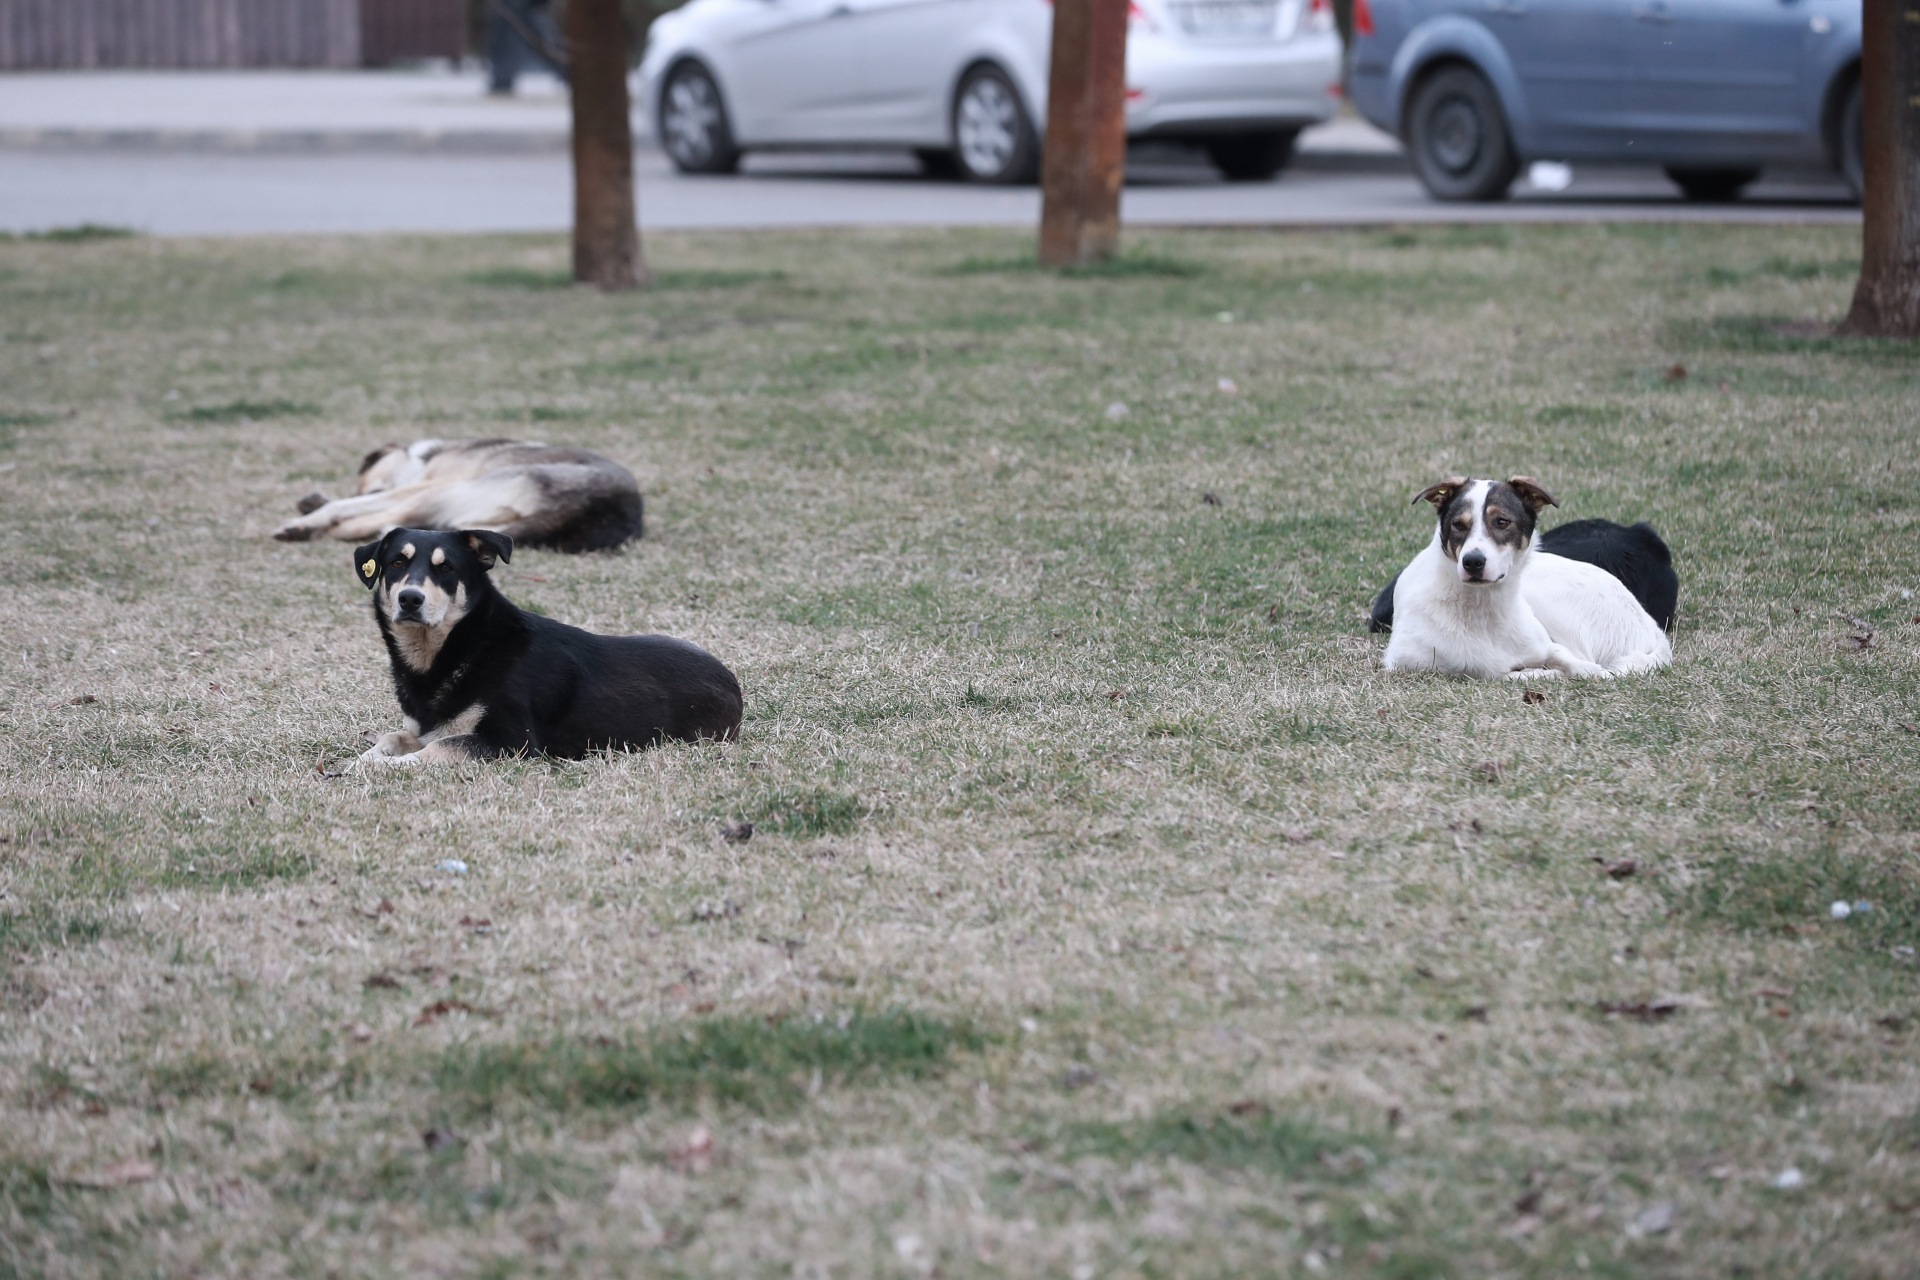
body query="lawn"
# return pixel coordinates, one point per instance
(1108, 911)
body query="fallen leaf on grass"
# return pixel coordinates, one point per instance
(1643, 1010)
(696, 1154)
(441, 1008)
(1211, 499)
(1533, 697)
(1619, 870)
(82, 700)
(439, 1139)
(381, 982)
(121, 1174)
(1674, 373)
(479, 925)
(737, 832)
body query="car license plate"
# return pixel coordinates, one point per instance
(1226, 17)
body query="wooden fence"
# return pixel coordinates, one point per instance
(58, 34)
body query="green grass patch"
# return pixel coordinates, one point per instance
(44, 929)
(1258, 1139)
(806, 813)
(760, 1064)
(1125, 266)
(249, 411)
(80, 233)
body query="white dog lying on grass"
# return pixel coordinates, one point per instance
(1480, 601)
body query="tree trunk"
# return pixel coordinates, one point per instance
(1886, 302)
(1084, 160)
(606, 239)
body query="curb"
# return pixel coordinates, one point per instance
(465, 142)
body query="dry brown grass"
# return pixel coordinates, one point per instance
(1110, 912)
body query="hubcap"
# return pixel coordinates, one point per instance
(691, 119)
(1454, 141)
(987, 127)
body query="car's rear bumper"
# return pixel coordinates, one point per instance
(1176, 88)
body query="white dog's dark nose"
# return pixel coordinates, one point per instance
(410, 600)
(1474, 562)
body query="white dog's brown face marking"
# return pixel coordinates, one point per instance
(1486, 525)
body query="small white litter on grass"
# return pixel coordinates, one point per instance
(1790, 1179)
(1840, 910)
(1117, 411)
(453, 866)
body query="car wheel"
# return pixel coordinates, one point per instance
(937, 163)
(1852, 163)
(693, 123)
(1712, 186)
(1457, 137)
(993, 140)
(1252, 157)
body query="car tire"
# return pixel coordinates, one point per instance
(694, 130)
(1457, 137)
(1252, 157)
(993, 137)
(937, 162)
(1711, 186)
(1853, 165)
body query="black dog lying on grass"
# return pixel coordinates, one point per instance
(478, 677)
(1632, 553)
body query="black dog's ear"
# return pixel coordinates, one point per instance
(487, 544)
(1441, 494)
(367, 561)
(1536, 498)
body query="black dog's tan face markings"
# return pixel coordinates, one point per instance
(419, 590)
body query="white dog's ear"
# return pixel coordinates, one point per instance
(1536, 498)
(1441, 494)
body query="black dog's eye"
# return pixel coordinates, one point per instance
(1501, 522)
(399, 562)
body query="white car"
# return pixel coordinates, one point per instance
(963, 83)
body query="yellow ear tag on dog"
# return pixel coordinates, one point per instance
(366, 570)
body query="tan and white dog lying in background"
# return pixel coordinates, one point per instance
(539, 495)
(1481, 602)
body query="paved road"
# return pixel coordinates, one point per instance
(199, 192)
(244, 153)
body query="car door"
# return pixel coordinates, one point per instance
(1571, 58)
(787, 67)
(906, 56)
(1720, 77)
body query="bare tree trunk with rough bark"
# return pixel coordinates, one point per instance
(606, 236)
(1886, 302)
(1084, 160)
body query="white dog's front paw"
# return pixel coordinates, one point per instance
(1534, 673)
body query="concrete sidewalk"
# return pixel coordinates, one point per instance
(413, 110)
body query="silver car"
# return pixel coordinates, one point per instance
(963, 83)
(1713, 90)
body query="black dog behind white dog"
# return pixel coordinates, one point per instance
(479, 677)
